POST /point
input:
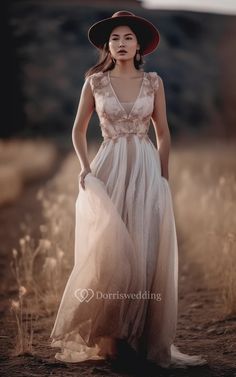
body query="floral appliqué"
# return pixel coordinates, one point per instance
(114, 121)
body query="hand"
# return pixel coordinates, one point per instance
(82, 175)
(165, 174)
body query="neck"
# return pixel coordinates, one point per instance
(124, 69)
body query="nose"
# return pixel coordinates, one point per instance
(121, 43)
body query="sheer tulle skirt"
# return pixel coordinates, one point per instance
(124, 283)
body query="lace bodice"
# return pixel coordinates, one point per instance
(114, 118)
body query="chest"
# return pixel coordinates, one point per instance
(118, 99)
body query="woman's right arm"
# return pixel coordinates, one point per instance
(84, 112)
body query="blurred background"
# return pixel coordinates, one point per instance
(45, 54)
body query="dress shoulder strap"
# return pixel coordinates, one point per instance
(96, 81)
(154, 79)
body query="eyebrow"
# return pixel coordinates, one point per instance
(117, 35)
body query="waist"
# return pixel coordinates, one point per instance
(127, 134)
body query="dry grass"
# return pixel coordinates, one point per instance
(41, 266)
(24, 319)
(23, 161)
(204, 186)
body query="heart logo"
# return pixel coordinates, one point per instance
(84, 294)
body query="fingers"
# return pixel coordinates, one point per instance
(82, 183)
(82, 178)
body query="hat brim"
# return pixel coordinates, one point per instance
(147, 34)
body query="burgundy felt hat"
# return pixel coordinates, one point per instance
(147, 34)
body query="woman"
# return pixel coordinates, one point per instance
(122, 292)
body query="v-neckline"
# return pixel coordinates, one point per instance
(117, 99)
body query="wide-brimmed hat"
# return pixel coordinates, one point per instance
(147, 34)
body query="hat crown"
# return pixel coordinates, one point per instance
(122, 13)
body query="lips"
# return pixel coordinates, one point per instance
(122, 51)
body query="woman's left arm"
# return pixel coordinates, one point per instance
(161, 127)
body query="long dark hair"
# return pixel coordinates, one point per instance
(105, 62)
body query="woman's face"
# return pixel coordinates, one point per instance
(123, 38)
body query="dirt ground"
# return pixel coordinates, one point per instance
(201, 328)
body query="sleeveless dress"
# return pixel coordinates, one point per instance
(124, 283)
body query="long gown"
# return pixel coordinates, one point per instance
(124, 283)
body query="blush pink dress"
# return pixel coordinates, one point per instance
(124, 283)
